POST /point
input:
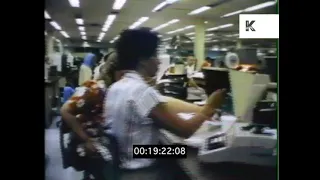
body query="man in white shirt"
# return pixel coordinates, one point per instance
(190, 66)
(136, 110)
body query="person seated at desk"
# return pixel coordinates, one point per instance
(207, 62)
(85, 72)
(190, 70)
(137, 111)
(190, 66)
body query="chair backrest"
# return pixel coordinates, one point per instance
(112, 145)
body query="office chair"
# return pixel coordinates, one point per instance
(109, 169)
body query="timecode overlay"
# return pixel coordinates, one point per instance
(159, 151)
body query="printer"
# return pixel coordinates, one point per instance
(251, 137)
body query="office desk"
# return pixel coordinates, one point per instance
(192, 169)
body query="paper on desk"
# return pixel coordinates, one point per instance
(164, 81)
(198, 138)
(198, 75)
(187, 116)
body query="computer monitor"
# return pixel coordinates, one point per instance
(218, 78)
(272, 67)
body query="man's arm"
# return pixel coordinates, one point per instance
(149, 103)
(167, 119)
(179, 106)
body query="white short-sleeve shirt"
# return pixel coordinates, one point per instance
(127, 106)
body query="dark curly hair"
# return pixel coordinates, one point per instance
(107, 71)
(135, 45)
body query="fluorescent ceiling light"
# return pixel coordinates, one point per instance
(212, 41)
(82, 33)
(260, 6)
(166, 39)
(84, 37)
(55, 25)
(232, 35)
(138, 22)
(45, 33)
(159, 6)
(163, 4)
(159, 35)
(81, 28)
(46, 15)
(74, 3)
(98, 40)
(118, 4)
(232, 13)
(85, 44)
(165, 24)
(101, 35)
(219, 27)
(192, 33)
(199, 10)
(171, 1)
(108, 22)
(181, 29)
(252, 8)
(79, 21)
(114, 39)
(64, 34)
(206, 22)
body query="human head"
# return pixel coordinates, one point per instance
(208, 59)
(191, 60)
(106, 57)
(109, 69)
(89, 60)
(137, 50)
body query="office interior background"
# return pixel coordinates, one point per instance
(211, 25)
(199, 28)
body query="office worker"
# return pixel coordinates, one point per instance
(75, 111)
(190, 66)
(98, 69)
(135, 109)
(83, 114)
(85, 72)
(207, 62)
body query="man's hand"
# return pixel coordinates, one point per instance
(214, 102)
(90, 148)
